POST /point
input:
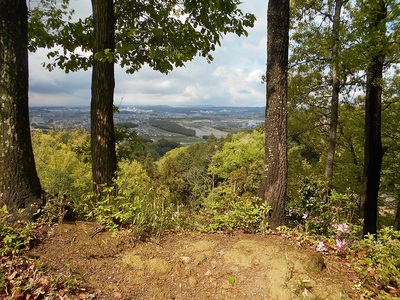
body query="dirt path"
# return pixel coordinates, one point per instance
(187, 266)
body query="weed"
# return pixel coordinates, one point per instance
(13, 239)
(302, 287)
(231, 280)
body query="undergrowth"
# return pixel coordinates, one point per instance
(13, 239)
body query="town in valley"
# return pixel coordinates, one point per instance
(183, 124)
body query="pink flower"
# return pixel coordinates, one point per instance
(343, 228)
(321, 247)
(341, 245)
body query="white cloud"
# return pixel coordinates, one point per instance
(63, 99)
(255, 76)
(233, 78)
(241, 85)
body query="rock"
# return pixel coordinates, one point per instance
(185, 259)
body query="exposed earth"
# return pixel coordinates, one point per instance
(102, 265)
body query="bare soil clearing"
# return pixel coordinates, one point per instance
(188, 266)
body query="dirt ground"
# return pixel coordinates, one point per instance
(187, 266)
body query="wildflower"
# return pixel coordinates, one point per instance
(305, 216)
(343, 228)
(341, 245)
(176, 214)
(321, 247)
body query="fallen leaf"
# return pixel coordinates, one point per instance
(12, 276)
(43, 282)
(371, 272)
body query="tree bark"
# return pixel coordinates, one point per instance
(373, 152)
(19, 183)
(274, 183)
(396, 225)
(335, 97)
(104, 158)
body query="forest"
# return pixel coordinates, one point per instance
(172, 127)
(323, 169)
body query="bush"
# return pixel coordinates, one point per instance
(225, 210)
(13, 239)
(315, 213)
(133, 203)
(378, 261)
(63, 164)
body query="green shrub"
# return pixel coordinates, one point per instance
(378, 260)
(225, 210)
(315, 213)
(63, 163)
(56, 209)
(133, 202)
(13, 239)
(240, 161)
(184, 171)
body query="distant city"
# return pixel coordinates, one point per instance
(205, 120)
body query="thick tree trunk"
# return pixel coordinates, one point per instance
(275, 170)
(373, 152)
(335, 97)
(104, 159)
(19, 183)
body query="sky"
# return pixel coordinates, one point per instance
(232, 79)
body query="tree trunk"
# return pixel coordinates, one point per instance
(335, 97)
(19, 183)
(274, 183)
(104, 159)
(373, 151)
(396, 225)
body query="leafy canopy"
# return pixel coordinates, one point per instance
(161, 33)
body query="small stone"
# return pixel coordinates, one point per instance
(185, 259)
(307, 283)
(192, 281)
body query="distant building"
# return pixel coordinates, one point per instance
(38, 122)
